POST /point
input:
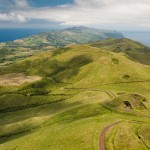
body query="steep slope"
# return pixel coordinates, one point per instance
(65, 109)
(82, 65)
(129, 102)
(22, 48)
(132, 48)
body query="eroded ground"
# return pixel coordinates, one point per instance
(15, 79)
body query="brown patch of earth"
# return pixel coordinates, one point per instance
(15, 79)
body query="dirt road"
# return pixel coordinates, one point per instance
(102, 136)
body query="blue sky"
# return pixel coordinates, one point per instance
(46, 3)
(107, 14)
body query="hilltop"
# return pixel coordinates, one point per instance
(82, 89)
(22, 48)
(73, 63)
(60, 38)
(133, 49)
(79, 90)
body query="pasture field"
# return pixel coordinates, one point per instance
(78, 92)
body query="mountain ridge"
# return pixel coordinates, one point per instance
(78, 35)
(82, 89)
(133, 49)
(22, 48)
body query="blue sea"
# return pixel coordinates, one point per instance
(143, 37)
(13, 34)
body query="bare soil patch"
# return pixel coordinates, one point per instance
(15, 79)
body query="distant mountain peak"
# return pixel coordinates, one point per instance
(60, 38)
(91, 30)
(77, 28)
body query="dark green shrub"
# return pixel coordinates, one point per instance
(126, 77)
(115, 61)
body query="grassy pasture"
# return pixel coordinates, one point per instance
(64, 110)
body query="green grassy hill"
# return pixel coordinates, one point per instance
(72, 64)
(133, 49)
(22, 48)
(59, 38)
(130, 102)
(82, 90)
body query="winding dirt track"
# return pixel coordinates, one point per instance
(102, 136)
(104, 131)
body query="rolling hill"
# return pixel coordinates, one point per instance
(133, 49)
(60, 38)
(22, 48)
(83, 89)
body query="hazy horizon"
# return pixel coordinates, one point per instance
(10, 34)
(117, 15)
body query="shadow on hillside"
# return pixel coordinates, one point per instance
(7, 138)
(39, 111)
(22, 115)
(64, 71)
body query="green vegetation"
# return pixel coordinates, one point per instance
(124, 136)
(134, 100)
(59, 38)
(23, 48)
(133, 49)
(82, 90)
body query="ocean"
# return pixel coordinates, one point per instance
(13, 34)
(143, 37)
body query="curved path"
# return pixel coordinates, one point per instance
(104, 131)
(102, 136)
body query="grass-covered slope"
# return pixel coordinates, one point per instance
(83, 66)
(78, 35)
(68, 108)
(21, 48)
(130, 102)
(128, 136)
(133, 49)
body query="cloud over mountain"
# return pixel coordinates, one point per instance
(81, 12)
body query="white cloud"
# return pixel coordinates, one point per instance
(12, 17)
(89, 12)
(8, 8)
(13, 4)
(21, 3)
